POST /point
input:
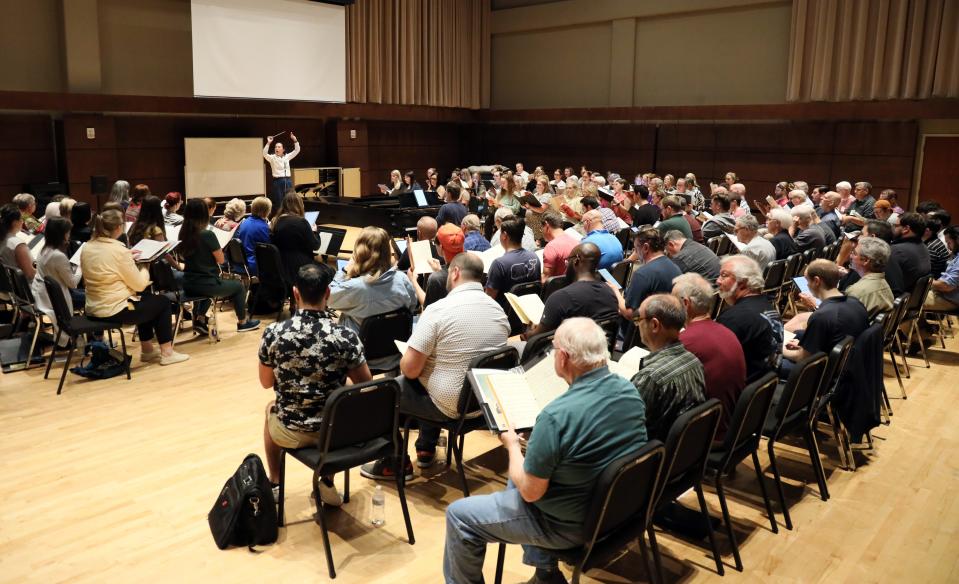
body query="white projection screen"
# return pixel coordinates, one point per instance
(269, 49)
(224, 167)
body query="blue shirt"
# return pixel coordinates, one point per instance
(598, 419)
(451, 213)
(609, 247)
(252, 230)
(652, 278)
(951, 276)
(513, 267)
(475, 241)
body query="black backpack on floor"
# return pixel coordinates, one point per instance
(245, 512)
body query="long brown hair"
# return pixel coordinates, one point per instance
(371, 254)
(196, 218)
(292, 205)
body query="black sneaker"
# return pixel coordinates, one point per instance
(201, 327)
(380, 471)
(425, 458)
(249, 325)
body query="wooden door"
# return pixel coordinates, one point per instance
(939, 174)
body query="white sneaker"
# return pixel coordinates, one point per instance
(150, 357)
(329, 495)
(174, 357)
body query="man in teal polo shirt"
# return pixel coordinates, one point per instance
(600, 418)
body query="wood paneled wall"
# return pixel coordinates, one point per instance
(380, 147)
(27, 153)
(760, 154)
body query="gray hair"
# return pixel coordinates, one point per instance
(120, 193)
(235, 209)
(24, 200)
(584, 341)
(801, 185)
(876, 251)
(745, 269)
(843, 185)
(863, 184)
(674, 235)
(471, 223)
(748, 222)
(802, 213)
(783, 216)
(696, 290)
(503, 213)
(667, 309)
(798, 193)
(658, 182)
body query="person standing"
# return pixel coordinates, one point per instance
(280, 168)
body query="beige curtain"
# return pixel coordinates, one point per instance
(843, 50)
(417, 52)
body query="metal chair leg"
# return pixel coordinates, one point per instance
(644, 550)
(53, 352)
(126, 360)
(346, 486)
(816, 460)
(320, 516)
(281, 502)
(401, 490)
(905, 362)
(37, 325)
(837, 434)
(656, 556)
(729, 524)
(779, 485)
(66, 366)
(709, 529)
(895, 367)
(922, 345)
(500, 560)
(762, 488)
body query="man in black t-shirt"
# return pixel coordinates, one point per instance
(836, 317)
(750, 316)
(587, 296)
(909, 251)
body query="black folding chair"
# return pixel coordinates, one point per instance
(537, 346)
(742, 439)
(835, 367)
(913, 315)
(360, 424)
(774, 273)
(553, 284)
(74, 326)
(892, 341)
(687, 448)
(610, 326)
(269, 266)
(469, 417)
(794, 413)
(163, 283)
(621, 271)
(378, 333)
(26, 308)
(714, 243)
(619, 512)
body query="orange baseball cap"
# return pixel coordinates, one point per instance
(450, 238)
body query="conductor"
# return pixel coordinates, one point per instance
(280, 165)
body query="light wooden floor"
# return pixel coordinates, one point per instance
(112, 480)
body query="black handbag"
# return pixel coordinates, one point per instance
(245, 512)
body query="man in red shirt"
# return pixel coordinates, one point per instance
(558, 247)
(716, 347)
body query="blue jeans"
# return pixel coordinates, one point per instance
(502, 517)
(278, 190)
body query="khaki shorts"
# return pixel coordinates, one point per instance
(287, 438)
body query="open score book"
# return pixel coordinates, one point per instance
(517, 396)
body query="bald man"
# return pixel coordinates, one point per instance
(426, 229)
(610, 249)
(587, 295)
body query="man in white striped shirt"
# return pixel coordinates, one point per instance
(280, 167)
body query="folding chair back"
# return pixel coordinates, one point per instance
(553, 284)
(537, 346)
(360, 413)
(378, 333)
(746, 425)
(687, 447)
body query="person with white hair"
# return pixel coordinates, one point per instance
(28, 208)
(750, 316)
(670, 379)
(778, 224)
(120, 193)
(845, 195)
(757, 247)
(806, 235)
(600, 418)
(737, 192)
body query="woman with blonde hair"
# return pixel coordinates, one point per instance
(371, 285)
(293, 235)
(112, 277)
(232, 214)
(396, 184)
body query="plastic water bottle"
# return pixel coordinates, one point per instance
(379, 508)
(441, 451)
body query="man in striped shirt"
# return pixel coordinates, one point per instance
(670, 379)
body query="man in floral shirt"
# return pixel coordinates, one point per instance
(303, 359)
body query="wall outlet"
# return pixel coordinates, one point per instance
(352, 134)
(91, 133)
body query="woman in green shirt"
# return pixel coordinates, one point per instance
(202, 257)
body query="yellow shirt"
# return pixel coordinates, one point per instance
(111, 276)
